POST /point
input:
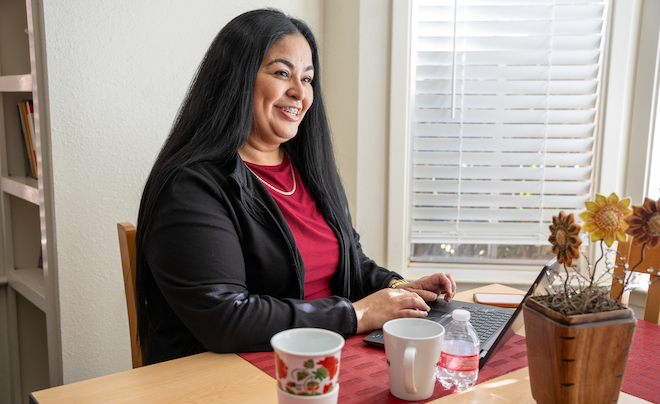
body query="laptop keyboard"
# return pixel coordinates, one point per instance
(486, 321)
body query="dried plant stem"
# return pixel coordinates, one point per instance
(602, 255)
(641, 259)
(631, 271)
(568, 276)
(582, 294)
(600, 278)
(590, 300)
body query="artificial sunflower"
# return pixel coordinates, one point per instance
(644, 223)
(604, 218)
(565, 239)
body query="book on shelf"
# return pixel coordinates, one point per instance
(33, 154)
(24, 140)
(26, 111)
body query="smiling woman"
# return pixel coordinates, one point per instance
(243, 229)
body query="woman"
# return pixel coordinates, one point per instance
(243, 229)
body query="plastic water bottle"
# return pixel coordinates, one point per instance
(459, 357)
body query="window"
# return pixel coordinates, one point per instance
(654, 147)
(503, 122)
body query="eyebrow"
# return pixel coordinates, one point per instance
(289, 64)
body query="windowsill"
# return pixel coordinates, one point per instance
(483, 273)
(636, 302)
(463, 286)
(515, 276)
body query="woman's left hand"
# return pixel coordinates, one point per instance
(430, 287)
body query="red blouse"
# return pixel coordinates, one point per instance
(315, 240)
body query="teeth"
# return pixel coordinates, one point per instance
(289, 110)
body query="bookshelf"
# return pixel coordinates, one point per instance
(32, 357)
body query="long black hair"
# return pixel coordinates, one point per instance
(215, 119)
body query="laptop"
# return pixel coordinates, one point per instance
(494, 325)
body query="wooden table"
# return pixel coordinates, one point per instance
(227, 378)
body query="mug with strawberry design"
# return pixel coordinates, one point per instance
(307, 364)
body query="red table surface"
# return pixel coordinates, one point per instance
(363, 370)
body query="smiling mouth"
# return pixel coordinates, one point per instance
(292, 111)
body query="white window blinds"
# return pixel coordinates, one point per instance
(524, 77)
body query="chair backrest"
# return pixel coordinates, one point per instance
(651, 266)
(127, 248)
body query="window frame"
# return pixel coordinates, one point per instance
(627, 107)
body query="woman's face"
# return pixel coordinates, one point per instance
(283, 90)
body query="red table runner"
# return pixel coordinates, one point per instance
(363, 371)
(642, 377)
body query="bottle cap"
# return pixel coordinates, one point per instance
(460, 315)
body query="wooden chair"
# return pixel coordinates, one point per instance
(127, 247)
(650, 265)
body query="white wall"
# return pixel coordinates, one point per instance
(341, 55)
(373, 128)
(117, 73)
(357, 72)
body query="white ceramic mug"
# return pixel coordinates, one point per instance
(412, 347)
(307, 365)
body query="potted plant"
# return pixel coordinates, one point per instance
(578, 336)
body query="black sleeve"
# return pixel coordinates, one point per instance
(375, 276)
(201, 251)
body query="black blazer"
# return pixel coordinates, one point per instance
(225, 272)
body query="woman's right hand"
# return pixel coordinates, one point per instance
(386, 304)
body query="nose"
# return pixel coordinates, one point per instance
(296, 90)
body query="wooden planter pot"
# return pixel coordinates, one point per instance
(577, 359)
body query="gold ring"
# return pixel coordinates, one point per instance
(400, 290)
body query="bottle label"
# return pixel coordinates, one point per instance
(459, 363)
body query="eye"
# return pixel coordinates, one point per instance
(308, 79)
(282, 73)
